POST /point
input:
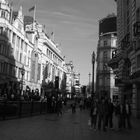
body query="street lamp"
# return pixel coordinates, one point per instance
(79, 78)
(93, 63)
(89, 81)
(22, 74)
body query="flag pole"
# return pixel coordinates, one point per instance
(34, 13)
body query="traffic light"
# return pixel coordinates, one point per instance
(56, 82)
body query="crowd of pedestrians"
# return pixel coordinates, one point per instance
(25, 95)
(55, 104)
(103, 111)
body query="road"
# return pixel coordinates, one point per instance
(66, 127)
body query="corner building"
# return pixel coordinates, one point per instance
(105, 78)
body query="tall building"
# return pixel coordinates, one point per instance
(127, 56)
(105, 79)
(28, 57)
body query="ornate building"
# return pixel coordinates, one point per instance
(28, 57)
(105, 82)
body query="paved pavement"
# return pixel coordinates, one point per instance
(67, 127)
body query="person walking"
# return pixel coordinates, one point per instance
(101, 114)
(127, 114)
(93, 115)
(59, 106)
(81, 104)
(120, 113)
(110, 114)
(73, 107)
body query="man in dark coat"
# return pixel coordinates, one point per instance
(127, 114)
(110, 114)
(102, 112)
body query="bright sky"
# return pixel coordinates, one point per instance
(75, 26)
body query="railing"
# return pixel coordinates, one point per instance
(17, 109)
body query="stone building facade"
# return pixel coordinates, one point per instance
(126, 59)
(105, 78)
(28, 57)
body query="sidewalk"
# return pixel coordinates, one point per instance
(66, 127)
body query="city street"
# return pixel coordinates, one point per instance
(66, 127)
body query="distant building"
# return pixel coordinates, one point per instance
(105, 78)
(77, 86)
(70, 79)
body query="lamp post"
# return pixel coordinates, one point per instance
(93, 63)
(79, 78)
(89, 81)
(22, 74)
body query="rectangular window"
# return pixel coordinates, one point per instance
(22, 45)
(10, 69)
(25, 47)
(16, 71)
(1, 47)
(127, 2)
(28, 61)
(14, 38)
(105, 54)
(9, 35)
(20, 57)
(27, 76)
(105, 43)
(39, 70)
(19, 72)
(3, 14)
(0, 67)
(18, 42)
(1, 30)
(138, 14)
(4, 68)
(100, 81)
(138, 61)
(17, 53)
(25, 59)
(6, 32)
